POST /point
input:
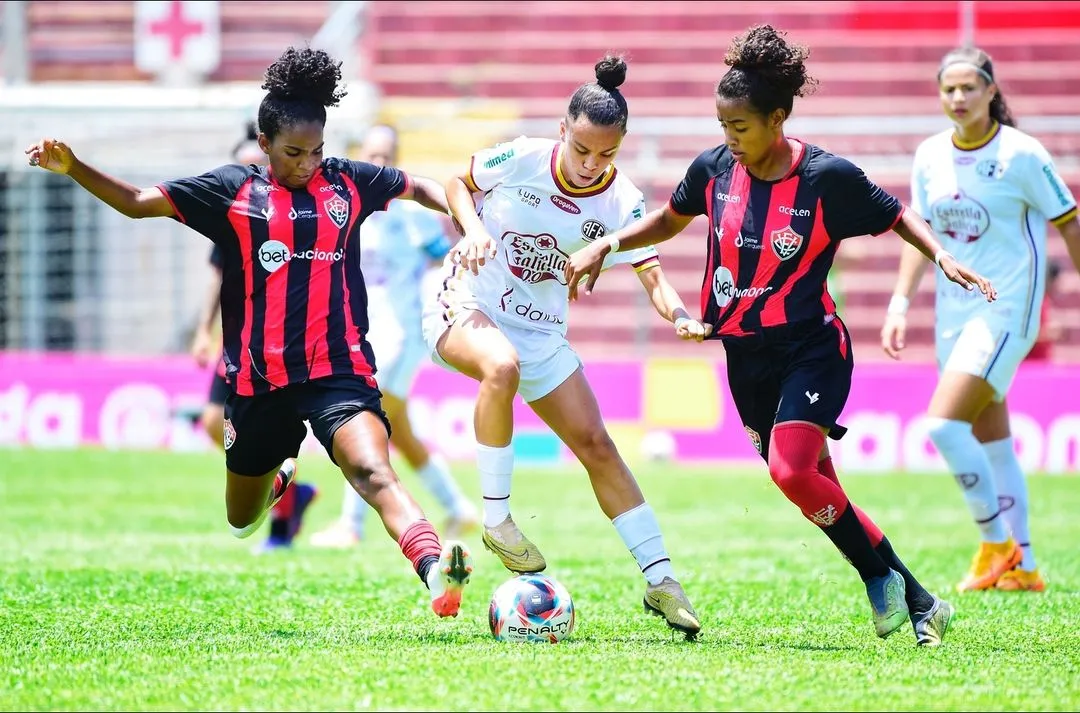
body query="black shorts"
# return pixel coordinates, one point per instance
(262, 431)
(219, 389)
(799, 372)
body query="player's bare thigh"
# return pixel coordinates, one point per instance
(960, 397)
(476, 347)
(993, 423)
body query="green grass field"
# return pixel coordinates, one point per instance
(120, 588)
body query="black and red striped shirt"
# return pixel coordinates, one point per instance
(293, 300)
(771, 243)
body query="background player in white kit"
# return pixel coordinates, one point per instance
(398, 247)
(500, 318)
(988, 191)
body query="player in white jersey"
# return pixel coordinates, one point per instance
(988, 191)
(500, 318)
(399, 246)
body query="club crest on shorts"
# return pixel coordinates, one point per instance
(338, 210)
(229, 434)
(755, 438)
(785, 243)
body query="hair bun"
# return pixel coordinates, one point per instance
(304, 75)
(611, 72)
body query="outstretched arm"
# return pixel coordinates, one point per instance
(894, 329)
(667, 303)
(656, 227)
(134, 202)
(427, 192)
(918, 233)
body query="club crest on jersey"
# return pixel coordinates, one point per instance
(592, 229)
(755, 438)
(338, 210)
(786, 243)
(535, 258)
(229, 434)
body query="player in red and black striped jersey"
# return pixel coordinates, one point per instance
(777, 209)
(294, 306)
(287, 516)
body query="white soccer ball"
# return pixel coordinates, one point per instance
(658, 446)
(531, 607)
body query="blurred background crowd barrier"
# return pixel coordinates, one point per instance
(154, 90)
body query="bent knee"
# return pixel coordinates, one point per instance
(946, 433)
(502, 372)
(367, 475)
(594, 446)
(788, 477)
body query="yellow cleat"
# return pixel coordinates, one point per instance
(930, 628)
(992, 561)
(515, 550)
(667, 599)
(1021, 580)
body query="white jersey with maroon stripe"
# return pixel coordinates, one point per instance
(989, 204)
(538, 219)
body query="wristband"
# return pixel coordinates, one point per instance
(940, 254)
(898, 304)
(614, 244)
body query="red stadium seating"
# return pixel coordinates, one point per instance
(873, 58)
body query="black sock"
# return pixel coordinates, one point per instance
(850, 538)
(279, 528)
(426, 563)
(919, 600)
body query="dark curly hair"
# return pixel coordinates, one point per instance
(299, 86)
(601, 101)
(765, 71)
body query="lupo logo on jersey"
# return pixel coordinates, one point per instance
(568, 206)
(273, 254)
(724, 290)
(960, 217)
(535, 258)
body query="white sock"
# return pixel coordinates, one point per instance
(496, 465)
(971, 468)
(1012, 490)
(436, 477)
(354, 510)
(640, 532)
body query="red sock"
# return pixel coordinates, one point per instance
(793, 465)
(419, 541)
(284, 507)
(825, 467)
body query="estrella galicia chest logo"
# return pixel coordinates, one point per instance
(337, 208)
(535, 258)
(592, 229)
(960, 217)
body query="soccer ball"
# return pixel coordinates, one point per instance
(531, 607)
(658, 446)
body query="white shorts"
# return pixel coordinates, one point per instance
(989, 350)
(547, 360)
(399, 352)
